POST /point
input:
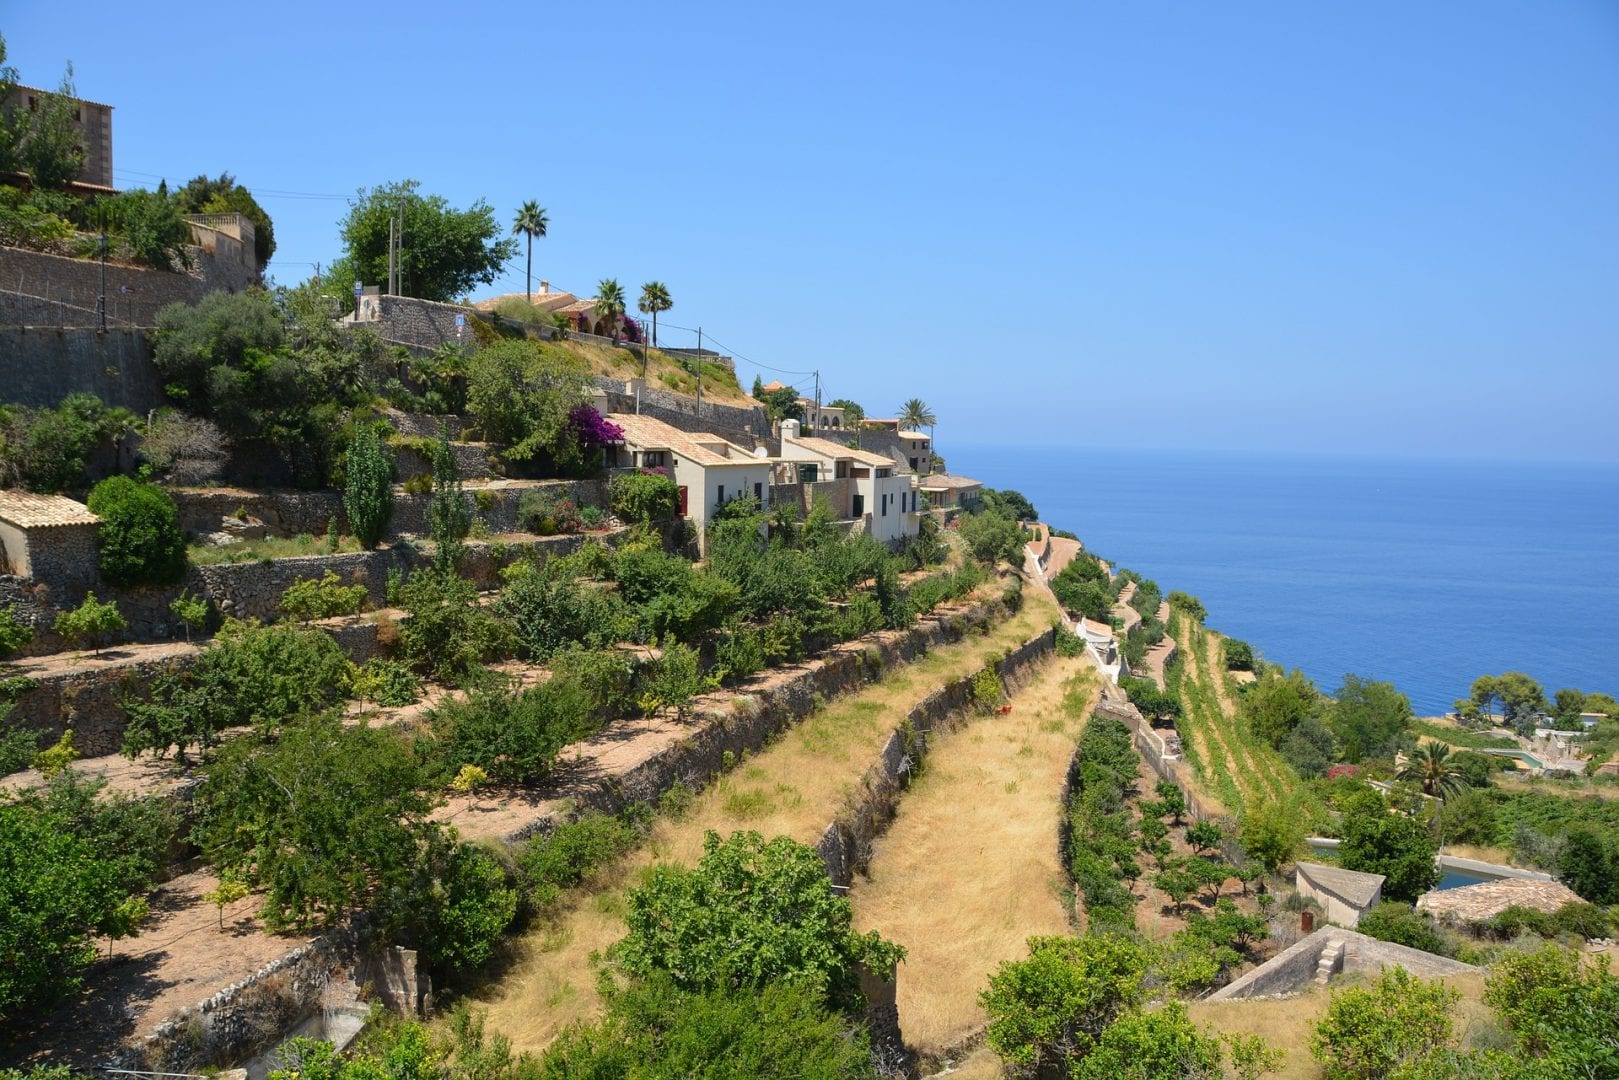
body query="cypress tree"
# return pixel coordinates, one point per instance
(448, 517)
(368, 494)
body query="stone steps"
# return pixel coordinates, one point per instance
(1330, 963)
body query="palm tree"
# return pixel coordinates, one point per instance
(915, 414)
(654, 298)
(530, 222)
(1431, 766)
(610, 303)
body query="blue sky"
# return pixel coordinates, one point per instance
(1383, 228)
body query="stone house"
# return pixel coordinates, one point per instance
(48, 539)
(93, 123)
(948, 492)
(1345, 895)
(861, 485)
(708, 470)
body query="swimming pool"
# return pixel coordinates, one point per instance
(1522, 755)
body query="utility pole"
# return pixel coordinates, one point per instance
(699, 373)
(815, 421)
(390, 289)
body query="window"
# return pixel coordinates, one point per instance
(719, 498)
(759, 493)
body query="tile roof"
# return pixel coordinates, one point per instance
(947, 481)
(29, 511)
(1351, 885)
(828, 448)
(913, 434)
(1487, 899)
(647, 432)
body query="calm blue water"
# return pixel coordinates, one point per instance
(1422, 573)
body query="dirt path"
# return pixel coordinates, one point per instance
(792, 788)
(970, 868)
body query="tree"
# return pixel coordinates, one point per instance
(655, 298)
(443, 252)
(530, 223)
(1369, 1032)
(140, 537)
(524, 395)
(1368, 718)
(321, 816)
(610, 304)
(1048, 1011)
(192, 611)
(1272, 834)
(90, 621)
(1171, 799)
(151, 225)
(14, 632)
(368, 494)
(223, 195)
(1162, 1044)
(1012, 504)
(446, 632)
(1589, 864)
(992, 538)
(1376, 841)
(751, 913)
(1310, 748)
(13, 122)
(642, 498)
(1431, 766)
(915, 415)
(1204, 836)
(50, 149)
(1188, 605)
(1274, 704)
(184, 449)
(449, 518)
(1559, 1009)
(452, 904)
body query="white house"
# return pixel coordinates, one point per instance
(708, 470)
(861, 485)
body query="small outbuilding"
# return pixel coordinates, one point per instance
(1345, 895)
(48, 539)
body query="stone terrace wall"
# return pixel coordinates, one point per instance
(222, 1029)
(1176, 771)
(846, 844)
(291, 513)
(40, 365)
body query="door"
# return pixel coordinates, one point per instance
(859, 506)
(682, 500)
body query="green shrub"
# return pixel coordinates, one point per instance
(90, 621)
(985, 690)
(250, 674)
(514, 737)
(573, 852)
(750, 913)
(545, 513)
(451, 906)
(604, 676)
(307, 598)
(549, 610)
(673, 680)
(140, 537)
(14, 632)
(1370, 1032)
(46, 450)
(643, 498)
(1401, 924)
(192, 611)
(446, 632)
(386, 682)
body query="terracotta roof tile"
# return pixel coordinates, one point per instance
(828, 448)
(701, 447)
(29, 511)
(1487, 899)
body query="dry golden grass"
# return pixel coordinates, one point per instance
(969, 869)
(982, 1064)
(795, 787)
(1289, 1023)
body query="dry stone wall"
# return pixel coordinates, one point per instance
(233, 1024)
(39, 366)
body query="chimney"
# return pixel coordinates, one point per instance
(545, 286)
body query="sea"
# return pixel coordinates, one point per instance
(1423, 573)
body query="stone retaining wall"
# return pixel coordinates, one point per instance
(291, 513)
(225, 1027)
(88, 699)
(39, 366)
